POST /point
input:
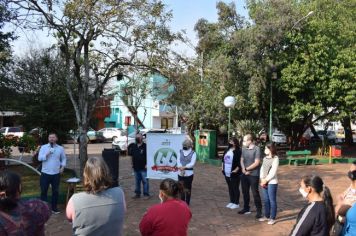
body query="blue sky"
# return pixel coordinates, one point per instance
(185, 14)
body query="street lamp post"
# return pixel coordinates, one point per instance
(274, 77)
(304, 17)
(229, 102)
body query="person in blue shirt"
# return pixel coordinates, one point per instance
(349, 228)
(53, 161)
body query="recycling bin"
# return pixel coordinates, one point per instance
(205, 144)
(336, 151)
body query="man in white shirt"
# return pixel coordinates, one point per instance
(53, 161)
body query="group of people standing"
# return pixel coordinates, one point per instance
(254, 171)
(101, 208)
(246, 166)
(185, 165)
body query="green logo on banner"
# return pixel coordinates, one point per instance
(165, 160)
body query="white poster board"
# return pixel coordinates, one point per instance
(162, 153)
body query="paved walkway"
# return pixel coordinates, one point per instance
(209, 197)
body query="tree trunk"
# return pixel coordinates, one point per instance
(83, 149)
(298, 130)
(312, 129)
(346, 123)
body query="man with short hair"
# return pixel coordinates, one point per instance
(250, 164)
(53, 160)
(138, 152)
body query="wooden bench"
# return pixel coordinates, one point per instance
(299, 157)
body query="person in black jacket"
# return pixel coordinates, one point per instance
(318, 217)
(138, 153)
(231, 168)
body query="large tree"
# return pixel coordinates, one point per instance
(6, 94)
(38, 84)
(99, 40)
(319, 77)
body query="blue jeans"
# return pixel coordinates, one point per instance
(270, 199)
(141, 176)
(45, 181)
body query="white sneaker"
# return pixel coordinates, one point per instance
(229, 205)
(234, 206)
(271, 222)
(262, 219)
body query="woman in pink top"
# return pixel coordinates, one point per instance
(171, 217)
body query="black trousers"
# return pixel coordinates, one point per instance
(233, 184)
(187, 183)
(45, 181)
(247, 182)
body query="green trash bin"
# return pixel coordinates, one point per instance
(205, 145)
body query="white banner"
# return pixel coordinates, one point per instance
(162, 153)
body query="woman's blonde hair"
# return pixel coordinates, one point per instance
(96, 175)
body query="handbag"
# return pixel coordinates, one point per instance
(336, 230)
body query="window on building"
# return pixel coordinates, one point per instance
(166, 123)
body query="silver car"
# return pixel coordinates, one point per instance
(124, 142)
(279, 138)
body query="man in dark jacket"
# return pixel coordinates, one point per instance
(138, 152)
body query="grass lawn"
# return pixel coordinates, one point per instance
(31, 182)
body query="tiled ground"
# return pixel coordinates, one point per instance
(209, 197)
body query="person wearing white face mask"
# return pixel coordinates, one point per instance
(250, 165)
(316, 218)
(170, 217)
(269, 183)
(231, 169)
(185, 164)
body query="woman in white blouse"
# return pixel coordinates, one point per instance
(269, 183)
(185, 163)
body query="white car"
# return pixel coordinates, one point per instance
(111, 133)
(13, 131)
(279, 138)
(123, 142)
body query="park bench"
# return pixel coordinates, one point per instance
(299, 157)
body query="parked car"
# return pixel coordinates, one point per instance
(279, 138)
(95, 136)
(329, 135)
(122, 142)
(111, 133)
(92, 136)
(14, 131)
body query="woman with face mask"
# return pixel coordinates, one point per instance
(185, 164)
(171, 217)
(318, 216)
(269, 183)
(231, 169)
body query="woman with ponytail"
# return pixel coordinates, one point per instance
(318, 216)
(171, 217)
(19, 217)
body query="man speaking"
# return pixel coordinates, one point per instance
(53, 161)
